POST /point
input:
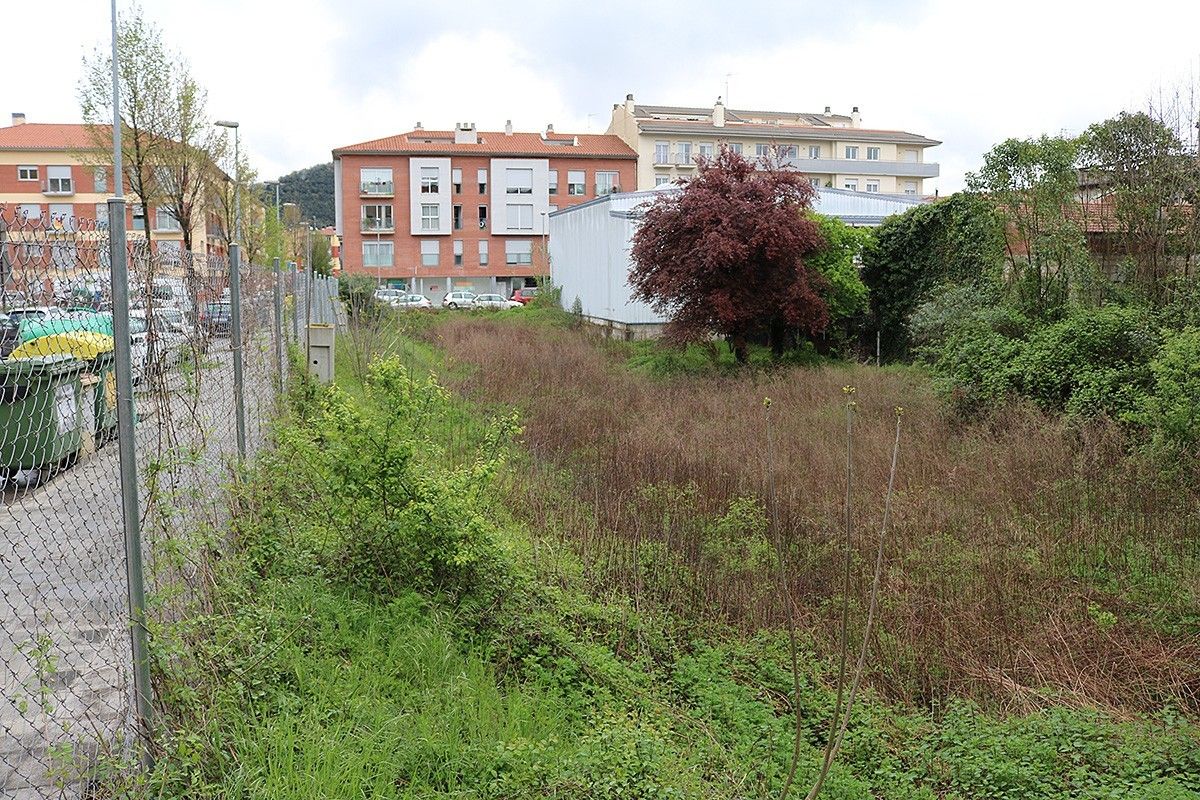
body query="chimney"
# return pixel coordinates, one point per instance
(508, 127)
(18, 118)
(718, 115)
(464, 133)
(549, 129)
(855, 118)
(827, 111)
(629, 103)
(418, 127)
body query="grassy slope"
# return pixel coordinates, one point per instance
(302, 686)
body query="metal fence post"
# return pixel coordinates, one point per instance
(235, 343)
(295, 303)
(278, 327)
(127, 455)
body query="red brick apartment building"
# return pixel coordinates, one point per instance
(466, 209)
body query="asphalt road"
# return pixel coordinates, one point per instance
(65, 659)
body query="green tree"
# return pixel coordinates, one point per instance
(838, 262)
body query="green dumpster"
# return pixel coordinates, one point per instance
(41, 423)
(106, 395)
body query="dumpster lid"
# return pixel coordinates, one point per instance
(41, 365)
(85, 345)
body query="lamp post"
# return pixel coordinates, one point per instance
(237, 189)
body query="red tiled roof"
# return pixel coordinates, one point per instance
(47, 136)
(496, 143)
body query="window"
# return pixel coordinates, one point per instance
(377, 218)
(29, 211)
(520, 217)
(481, 175)
(168, 252)
(683, 152)
(787, 151)
(851, 184)
(58, 180)
(606, 182)
(872, 186)
(429, 180)
(458, 251)
(101, 216)
(910, 187)
(431, 251)
(518, 252)
(458, 218)
(139, 218)
(576, 181)
(27, 173)
(377, 254)
(164, 220)
(661, 180)
(814, 151)
(483, 252)
(100, 179)
(910, 156)
(814, 181)
(482, 218)
(61, 215)
(662, 152)
(518, 181)
(553, 181)
(851, 152)
(762, 150)
(456, 179)
(872, 154)
(376, 180)
(736, 147)
(430, 217)
(706, 151)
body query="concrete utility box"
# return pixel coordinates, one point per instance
(320, 352)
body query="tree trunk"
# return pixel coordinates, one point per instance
(740, 351)
(778, 338)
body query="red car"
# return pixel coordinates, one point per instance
(523, 296)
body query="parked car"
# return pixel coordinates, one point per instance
(139, 347)
(458, 300)
(217, 318)
(494, 302)
(34, 314)
(10, 335)
(410, 301)
(388, 295)
(159, 343)
(524, 294)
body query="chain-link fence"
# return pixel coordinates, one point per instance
(66, 677)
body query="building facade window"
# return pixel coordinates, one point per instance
(376, 180)
(164, 220)
(520, 217)
(910, 187)
(661, 180)
(662, 152)
(377, 254)
(762, 150)
(61, 216)
(872, 186)
(430, 217)
(483, 218)
(457, 218)
(27, 173)
(377, 217)
(100, 179)
(814, 181)
(518, 181)
(851, 152)
(456, 179)
(458, 252)
(814, 151)
(872, 154)
(169, 252)
(429, 180)
(431, 251)
(101, 216)
(736, 147)
(139, 217)
(29, 211)
(787, 151)
(483, 252)
(851, 184)
(552, 181)
(481, 177)
(576, 182)
(606, 182)
(58, 180)
(683, 152)
(518, 252)
(706, 151)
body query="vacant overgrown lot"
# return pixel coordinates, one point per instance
(1032, 560)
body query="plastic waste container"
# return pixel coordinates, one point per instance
(96, 350)
(41, 418)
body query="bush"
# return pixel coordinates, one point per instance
(1171, 409)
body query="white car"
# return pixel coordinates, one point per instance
(410, 301)
(494, 301)
(459, 300)
(35, 313)
(389, 296)
(158, 344)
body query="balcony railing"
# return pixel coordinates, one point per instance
(864, 166)
(662, 159)
(378, 188)
(371, 225)
(684, 160)
(605, 188)
(57, 188)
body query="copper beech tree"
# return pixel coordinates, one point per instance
(725, 255)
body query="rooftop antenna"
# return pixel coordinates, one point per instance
(589, 122)
(728, 102)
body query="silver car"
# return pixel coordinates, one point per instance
(494, 301)
(459, 300)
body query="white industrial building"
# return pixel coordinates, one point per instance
(589, 249)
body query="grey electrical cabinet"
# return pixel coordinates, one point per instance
(320, 352)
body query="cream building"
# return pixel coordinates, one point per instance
(833, 150)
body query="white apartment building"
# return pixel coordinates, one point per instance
(833, 150)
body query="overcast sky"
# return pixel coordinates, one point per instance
(305, 76)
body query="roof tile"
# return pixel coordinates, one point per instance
(47, 136)
(496, 143)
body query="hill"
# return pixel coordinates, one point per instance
(311, 189)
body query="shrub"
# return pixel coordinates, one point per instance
(1171, 409)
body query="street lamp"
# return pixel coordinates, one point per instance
(237, 191)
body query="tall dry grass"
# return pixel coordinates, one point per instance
(1030, 560)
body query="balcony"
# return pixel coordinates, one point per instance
(685, 160)
(863, 166)
(377, 188)
(603, 189)
(371, 225)
(662, 159)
